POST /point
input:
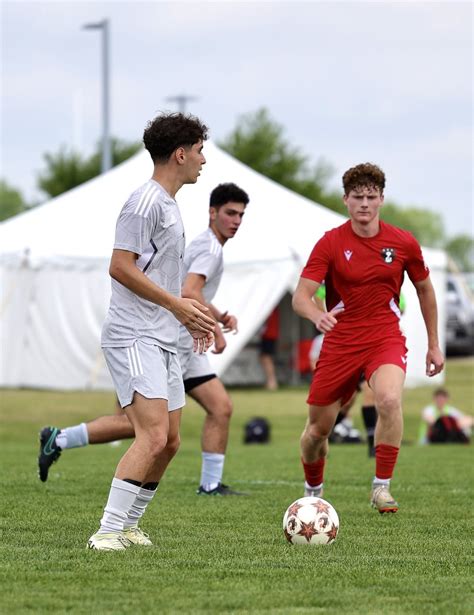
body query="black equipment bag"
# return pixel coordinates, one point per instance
(257, 431)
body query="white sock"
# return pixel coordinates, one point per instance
(308, 486)
(377, 482)
(144, 497)
(211, 470)
(72, 437)
(121, 499)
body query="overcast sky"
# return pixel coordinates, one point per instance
(386, 82)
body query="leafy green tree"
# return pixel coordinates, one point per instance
(426, 226)
(461, 250)
(11, 201)
(67, 169)
(259, 142)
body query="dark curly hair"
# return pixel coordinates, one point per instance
(226, 193)
(168, 131)
(365, 175)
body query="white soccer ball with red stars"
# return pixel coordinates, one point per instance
(311, 521)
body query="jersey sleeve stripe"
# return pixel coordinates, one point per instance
(143, 196)
(146, 198)
(148, 205)
(215, 246)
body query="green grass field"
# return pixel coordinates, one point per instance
(216, 555)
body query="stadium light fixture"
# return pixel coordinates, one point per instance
(181, 100)
(106, 143)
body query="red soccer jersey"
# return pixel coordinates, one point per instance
(364, 275)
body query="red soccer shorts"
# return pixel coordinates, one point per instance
(337, 374)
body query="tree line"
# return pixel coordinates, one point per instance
(260, 143)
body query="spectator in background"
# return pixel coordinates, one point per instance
(268, 344)
(440, 408)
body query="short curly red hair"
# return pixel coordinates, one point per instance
(365, 175)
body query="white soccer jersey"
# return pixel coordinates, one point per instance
(203, 256)
(149, 225)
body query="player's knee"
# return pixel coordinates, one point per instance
(155, 443)
(222, 411)
(317, 431)
(387, 403)
(226, 408)
(172, 445)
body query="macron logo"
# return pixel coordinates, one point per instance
(404, 360)
(348, 254)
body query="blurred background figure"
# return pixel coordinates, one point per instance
(444, 423)
(268, 345)
(460, 313)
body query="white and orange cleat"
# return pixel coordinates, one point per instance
(382, 500)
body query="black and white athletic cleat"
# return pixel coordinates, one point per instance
(221, 489)
(49, 451)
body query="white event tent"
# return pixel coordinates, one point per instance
(55, 287)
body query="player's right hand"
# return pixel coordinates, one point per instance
(230, 323)
(194, 316)
(325, 321)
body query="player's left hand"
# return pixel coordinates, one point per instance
(434, 361)
(201, 342)
(229, 322)
(219, 341)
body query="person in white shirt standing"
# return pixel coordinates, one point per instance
(140, 333)
(202, 272)
(203, 264)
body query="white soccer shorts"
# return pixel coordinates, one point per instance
(147, 369)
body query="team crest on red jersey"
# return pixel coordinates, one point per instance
(388, 255)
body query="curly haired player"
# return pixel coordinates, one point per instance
(362, 262)
(140, 333)
(202, 271)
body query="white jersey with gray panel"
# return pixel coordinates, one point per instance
(149, 225)
(203, 256)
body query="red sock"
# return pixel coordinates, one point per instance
(313, 472)
(385, 460)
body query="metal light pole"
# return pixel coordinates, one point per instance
(181, 100)
(106, 144)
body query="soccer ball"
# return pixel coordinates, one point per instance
(311, 521)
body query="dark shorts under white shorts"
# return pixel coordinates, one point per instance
(147, 369)
(193, 364)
